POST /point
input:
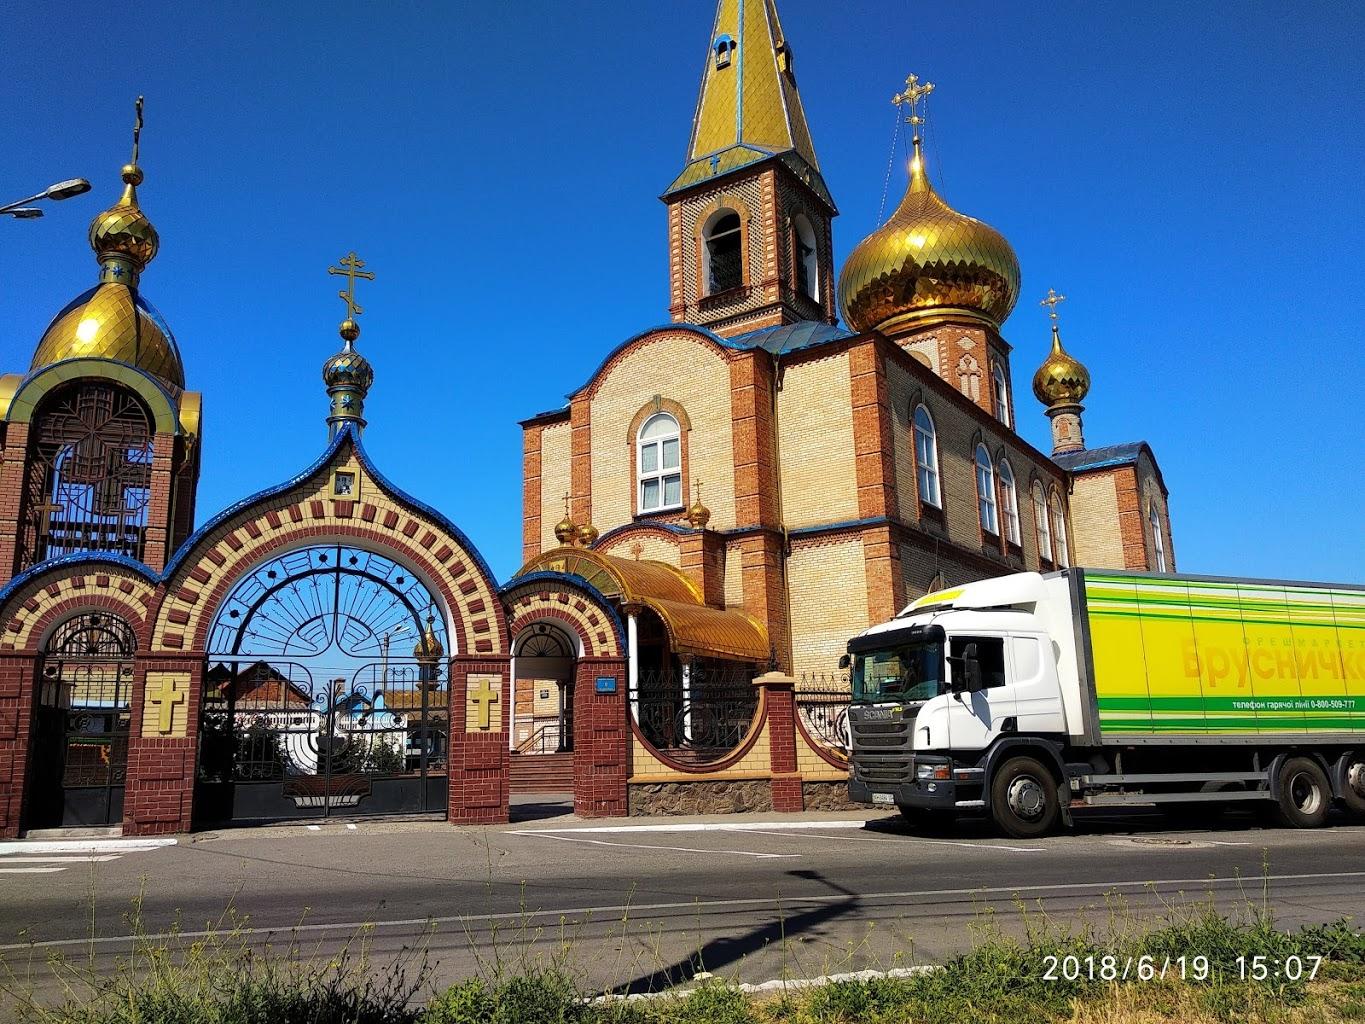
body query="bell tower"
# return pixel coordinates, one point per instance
(749, 215)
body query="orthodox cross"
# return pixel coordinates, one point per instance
(696, 490)
(566, 504)
(45, 513)
(352, 265)
(914, 94)
(137, 129)
(1051, 302)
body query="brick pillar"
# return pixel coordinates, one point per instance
(531, 469)
(600, 733)
(17, 686)
(159, 505)
(479, 755)
(158, 794)
(763, 576)
(780, 699)
(12, 458)
(701, 555)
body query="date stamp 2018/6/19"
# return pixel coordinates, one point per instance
(1112, 967)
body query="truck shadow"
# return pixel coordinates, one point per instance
(1133, 821)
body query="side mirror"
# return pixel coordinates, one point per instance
(845, 661)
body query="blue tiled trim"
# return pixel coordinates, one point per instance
(94, 557)
(544, 576)
(846, 524)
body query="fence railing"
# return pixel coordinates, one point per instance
(822, 701)
(696, 719)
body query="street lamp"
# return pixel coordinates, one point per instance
(385, 637)
(20, 210)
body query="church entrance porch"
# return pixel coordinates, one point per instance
(312, 708)
(545, 657)
(80, 740)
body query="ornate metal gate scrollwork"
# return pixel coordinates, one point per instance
(699, 718)
(326, 690)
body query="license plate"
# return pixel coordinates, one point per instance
(883, 798)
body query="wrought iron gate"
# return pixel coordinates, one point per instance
(80, 751)
(312, 706)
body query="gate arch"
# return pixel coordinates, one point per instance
(326, 690)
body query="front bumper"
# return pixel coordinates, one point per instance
(934, 793)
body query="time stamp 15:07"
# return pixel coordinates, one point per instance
(1112, 967)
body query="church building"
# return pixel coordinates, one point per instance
(812, 475)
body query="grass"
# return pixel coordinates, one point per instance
(221, 978)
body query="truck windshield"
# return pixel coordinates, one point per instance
(910, 672)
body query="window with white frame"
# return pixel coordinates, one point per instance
(1009, 502)
(1040, 522)
(1002, 395)
(1059, 532)
(1158, 541)
(659, 463)
(926, 458)
(985, 490)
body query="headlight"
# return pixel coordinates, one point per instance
(932, 771)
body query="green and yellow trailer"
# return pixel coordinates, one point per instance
(1028, 696)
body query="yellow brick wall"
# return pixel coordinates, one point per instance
(690, 371)
(815, 421)
(652, 547)
(554, 479)
(828, 582)
(1095, 535)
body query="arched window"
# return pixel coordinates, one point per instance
(724, 48)
(1002, 395)
(1158, 541)
(985, 491)
(1041, 524)
(89, 483)
(722, 253)
(926, 458)
(807, 266)
(659, 463)
(1059, 531)
(1009, 502)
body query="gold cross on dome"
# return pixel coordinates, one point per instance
(353, 269)
(914, 94)
(1051, 302)
(566, 504)
(137, 129)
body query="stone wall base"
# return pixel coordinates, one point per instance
(700, 797)
(828, 796)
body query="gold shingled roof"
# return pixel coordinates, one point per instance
(693, 626)
(111, 321)
(750, 108)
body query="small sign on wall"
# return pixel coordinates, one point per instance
(605, 684)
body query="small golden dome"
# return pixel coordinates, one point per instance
(698, 514)
(428, 648)
(112, 321)
(566, 531)
(587, 535)
(123, 230)
(928, 260)
(348, 368)
(1062, 379)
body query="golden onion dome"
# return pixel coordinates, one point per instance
(112, 321)
(123, 230)
(926, 261)
(566, 531)
(429, 648)
(587, 535)
(1062, 379)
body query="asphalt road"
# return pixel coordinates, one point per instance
(645, 903)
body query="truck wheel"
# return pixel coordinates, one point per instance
(1024, 801)
(1353, 788)
(1302, 794)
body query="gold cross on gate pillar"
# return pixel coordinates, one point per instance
(353, 268)
(1051, 302)
(167, 695)
(484, 698)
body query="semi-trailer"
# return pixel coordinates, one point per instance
(1026, 696)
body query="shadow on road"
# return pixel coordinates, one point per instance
(723, 951)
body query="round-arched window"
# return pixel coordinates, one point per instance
(722, 254)
(807, 262)
(658, 461)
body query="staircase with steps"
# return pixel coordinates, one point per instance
(542, 773)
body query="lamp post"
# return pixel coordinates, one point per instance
(20, 210)
(384, 638)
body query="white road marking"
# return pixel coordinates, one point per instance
(912, 840)
(703, 826)
(84, 845)
(97, 858)
(351, 827)
(1216, 842)
(635, 909)
(314, 828)
(649, 846)
(29, 871)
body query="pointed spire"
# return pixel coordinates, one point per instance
(348, 375)
(122, 237)
(749, 108)
(913, 95)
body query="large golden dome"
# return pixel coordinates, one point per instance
(1062, 379)
(112, 321)
(928, 260)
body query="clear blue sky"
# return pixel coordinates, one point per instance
(1189, 175)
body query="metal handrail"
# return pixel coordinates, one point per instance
(538, 740)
